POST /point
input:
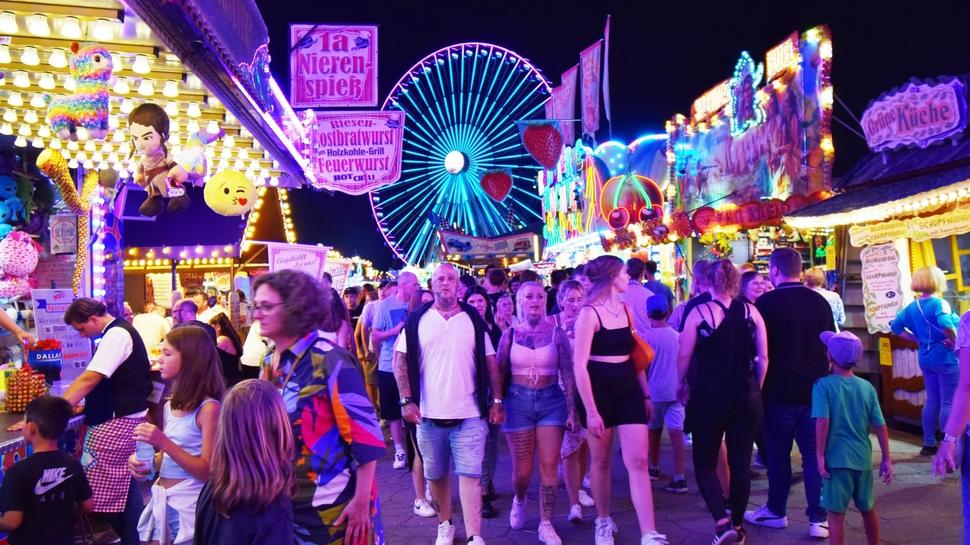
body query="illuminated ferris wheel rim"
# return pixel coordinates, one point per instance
(415, 71)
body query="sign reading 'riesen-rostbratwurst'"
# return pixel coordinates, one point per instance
(356, 152)
(916, 114)
(333, 66)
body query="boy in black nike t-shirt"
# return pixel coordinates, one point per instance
(39, 493)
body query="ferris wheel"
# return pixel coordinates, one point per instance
(462, 104)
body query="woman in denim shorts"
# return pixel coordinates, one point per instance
(535, 354)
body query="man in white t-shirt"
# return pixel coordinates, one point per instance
(152, 326)
(444, 363)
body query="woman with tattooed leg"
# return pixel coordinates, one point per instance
(534, 354)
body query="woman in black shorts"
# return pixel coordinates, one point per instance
(614, 397)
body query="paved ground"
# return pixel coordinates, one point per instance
(916, 509)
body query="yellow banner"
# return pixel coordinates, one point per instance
(954, 222)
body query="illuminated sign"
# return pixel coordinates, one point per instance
(711, 101)
(783, 56)
(916, 114)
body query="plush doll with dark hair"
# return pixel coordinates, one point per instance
(162, 177)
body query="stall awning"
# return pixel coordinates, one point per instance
(877, 202)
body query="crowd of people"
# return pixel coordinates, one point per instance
(285, 451)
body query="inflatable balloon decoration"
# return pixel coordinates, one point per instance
(497, 184)
(53, 165)
(18, 259)
(230, 193)
(163, 178)
(88, 106)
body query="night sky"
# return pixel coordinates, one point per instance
(663, 55)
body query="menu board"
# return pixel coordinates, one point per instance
(49, 307)
(881, 288)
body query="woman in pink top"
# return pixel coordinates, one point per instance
(534, 354)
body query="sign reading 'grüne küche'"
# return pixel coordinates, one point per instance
(916, 114)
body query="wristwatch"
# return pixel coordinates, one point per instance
(949, 438)
(497, 401)
(405, 401)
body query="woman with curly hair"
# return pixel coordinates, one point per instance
(334, 464)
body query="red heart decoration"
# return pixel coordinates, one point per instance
(497, 184)
(619, 218)
(704, 219)
(544, 143)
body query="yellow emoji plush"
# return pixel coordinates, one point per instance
(229, 193)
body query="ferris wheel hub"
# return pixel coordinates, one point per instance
(456, 162)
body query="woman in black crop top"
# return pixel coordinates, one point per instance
(615, 397)
(722, 364)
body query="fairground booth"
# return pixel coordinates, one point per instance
(754, 147)
(900, 208)
(114, 116)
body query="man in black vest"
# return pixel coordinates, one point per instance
(115, 387)
(444, 364)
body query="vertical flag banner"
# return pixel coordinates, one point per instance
(333, 65)
(589, 60)
(606, 69)
(552, 105)
(568, 86)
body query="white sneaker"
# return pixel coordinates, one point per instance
(400, 460)
(604, 531)
(688, 440)
(446, 533)
(818, 530)
(422, 508)
(585, 499)
(653, 538)
(517, 513)
(764, 517)
(476, 540)
(575, 514)
(548, 535)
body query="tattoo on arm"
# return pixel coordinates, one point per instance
(401, 374)
(503, 357)
(566, 368)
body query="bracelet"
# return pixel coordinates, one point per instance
(947, 438)
(498, 401)
(405, 401)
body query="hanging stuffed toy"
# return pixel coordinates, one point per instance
(88, 106)
(18, 259)
(6, 218)
(156, 172)
(53, 165)
(192, 158)
(230, 193)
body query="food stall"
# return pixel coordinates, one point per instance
(902, 207)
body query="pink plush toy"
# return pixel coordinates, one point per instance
(18, 259)
(88, 106)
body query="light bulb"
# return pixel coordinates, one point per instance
(239, 165)
(20, 142)
(141, 65)
(89, 145)
(172, 108)
(192, 127)
(37, 25)
(174, 126)
(89, 165)
(242, 154)
(194, 110)
(146, 88)
(72, 145)
(4, 54)
(30, 116)
(44, 131)
(121, 86)
(127, 106)
(274, 181)
(6, 129)
(118, 137)
(229, 141)
(8, 22)
(81, 156)
(15, 99)
(37, 101)
(113, 122)
(47, 81)
(193, 81)
(212, 127)
(10, 116)
(70, 84)
(24, 130)
(20, 79)
(101, 30)
(82, 133)
(37, 142)
(29, 56)
(55, 144)
(71, 28)
(171, 89)
(72, 163)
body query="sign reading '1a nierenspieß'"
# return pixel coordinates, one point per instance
(333, 65)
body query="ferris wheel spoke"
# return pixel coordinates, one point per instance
(422, 108)
(444, 95)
